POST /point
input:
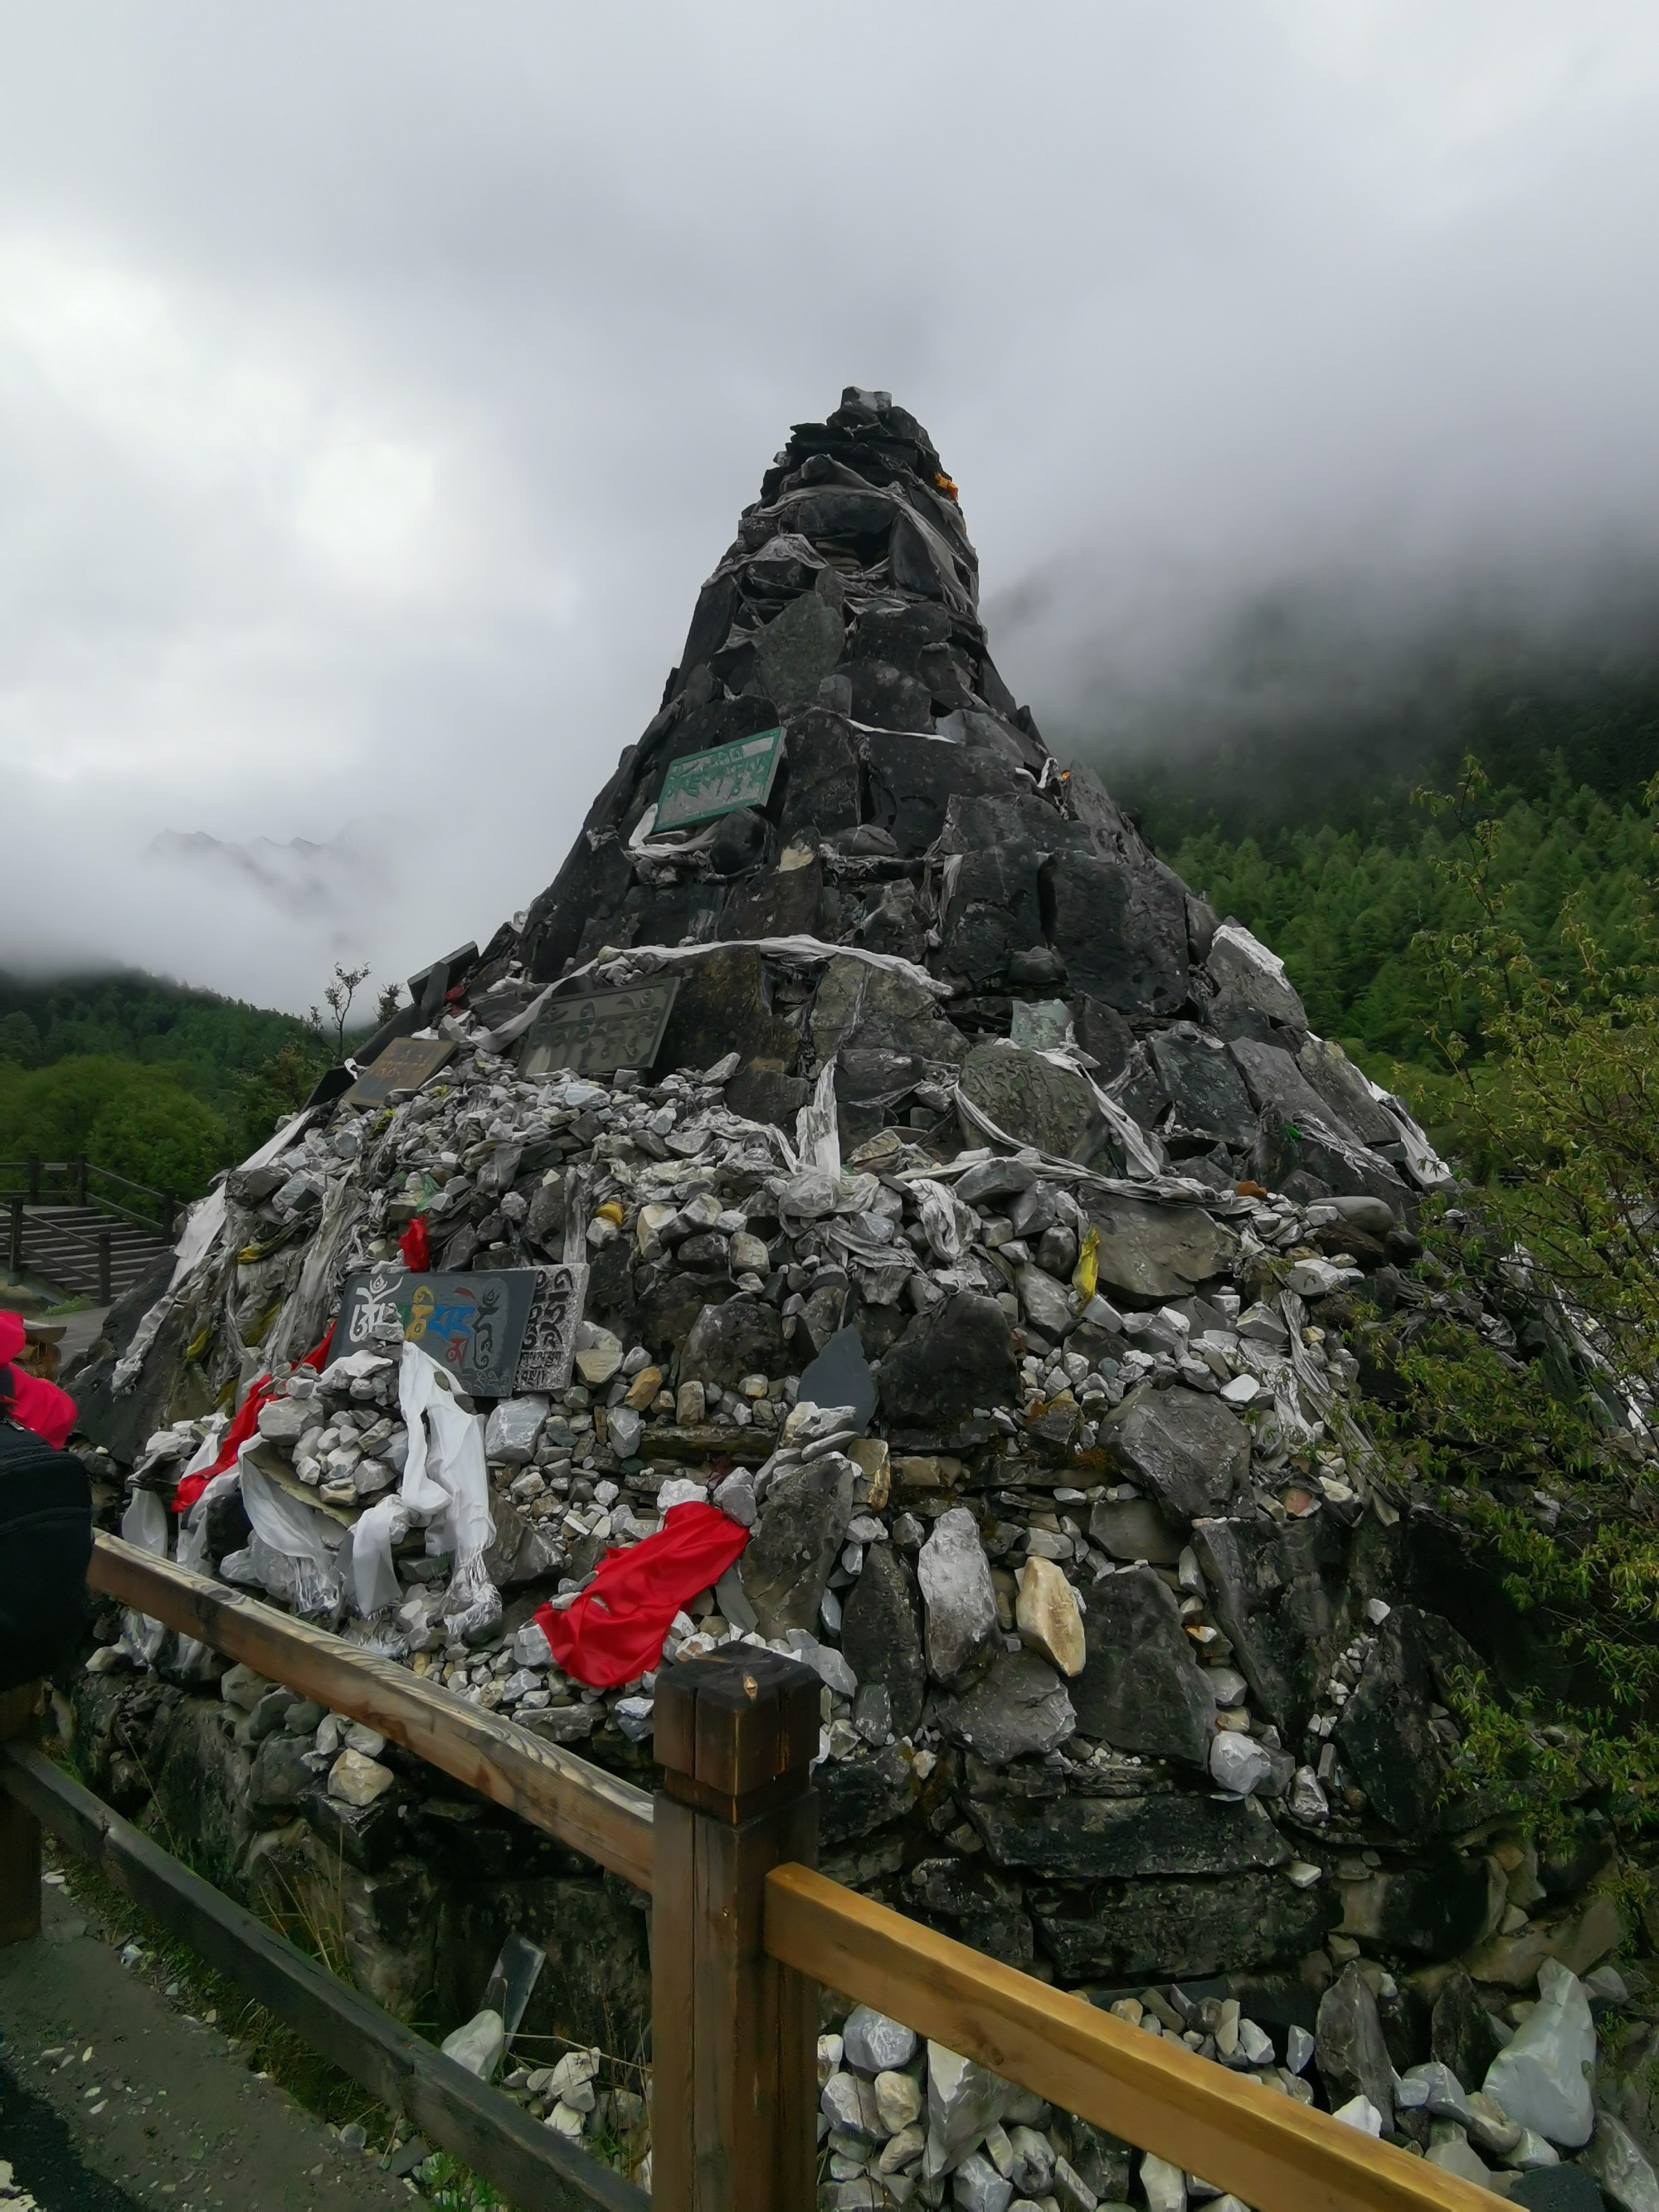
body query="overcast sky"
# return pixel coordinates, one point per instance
(377, 385)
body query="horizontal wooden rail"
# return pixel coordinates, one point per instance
(1277, 2155)
(449, 2105)
(593, 1812)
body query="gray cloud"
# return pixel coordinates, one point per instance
(376, 385)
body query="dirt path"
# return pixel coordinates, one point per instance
(111, 2098)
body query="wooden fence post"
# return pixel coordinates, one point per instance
(35, 1178)
(15, 1239)
(79, 1179)
(733, 2034)
(19, 1832)
(106, 1290)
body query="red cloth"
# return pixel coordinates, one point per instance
(191, 1488)
(615, 1630)
(30, 1400)
(416, 1247)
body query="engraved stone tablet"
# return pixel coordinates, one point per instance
(473, 1324)
(706, 784)
(600, 1033)
(549, 1338)
(404, 1064)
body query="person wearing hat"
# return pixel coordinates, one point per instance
(45, 1520)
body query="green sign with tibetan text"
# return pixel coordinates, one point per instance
(703, 785)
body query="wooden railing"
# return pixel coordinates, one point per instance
(744, 1931)
(73, 1182)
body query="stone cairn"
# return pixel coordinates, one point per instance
(981, 1236)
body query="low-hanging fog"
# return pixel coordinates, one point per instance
(377, 385)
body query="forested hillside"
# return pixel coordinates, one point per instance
(163, 1083)
(1326, 851)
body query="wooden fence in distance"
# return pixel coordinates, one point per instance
(743, 1932)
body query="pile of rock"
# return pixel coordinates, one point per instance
(899, 2117)
(993, 1240)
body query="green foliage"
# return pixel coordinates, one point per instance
(144, 1018)
(163, 1085)
(1345, 912)
(148, 1123)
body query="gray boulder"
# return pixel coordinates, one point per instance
(1141, 1688)
(958, 1355)
(1542, 2076)
(744, 1336)
(881, 1634)
(957, 1589)
(1191, 1451)
(1020, 1707)
(1033, 1101)
(1152, 1252)
(801, 1528)
(1349, 2047)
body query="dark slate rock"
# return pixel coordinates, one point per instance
(881, 1634)
(817, 791)
(1463, 2033)
(885, 698)
(367, 1836)
(743, 842)
(1089, 1839)
(1275, 1080)
(957, 1355)
(744, 1336)
(543, 1224)
(286, 1771)
(761, 1094)
(994, 916)
(1186, 1448)
(1322, 1160)
(840, 1375)
(1123, 932)
(1110, 833)
(1019, 1708)
(801, 1528)
(913, 779)
(798, 648)
(881, 1008)
(1556, 2189)
(1103, 1035)
(988, 1912)
(722, 1006)
(1345, 1092)
(1033, 1101)
(919, 560)
(1349, 2047)
(227, 1524)
(977, 824)
(1384, 1735)
(906, 636)
(1153, 1253)
(711, 619)
(668, 1301)
(1141, 1688)
(1143, 1931)
(998, 1179)
(1436, 1909)
(1203, 1083)
(1271, 1591)
(593, 883)
(858, 1795)
(779, 903)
